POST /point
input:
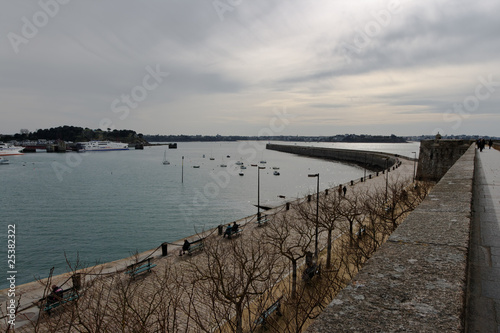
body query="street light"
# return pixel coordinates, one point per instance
(364, 178)
(317, 212)
(414, 163)
(386, 177)
(258, 192)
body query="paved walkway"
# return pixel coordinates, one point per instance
(483, 312)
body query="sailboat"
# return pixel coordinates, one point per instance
(165, 162)
(223, 165)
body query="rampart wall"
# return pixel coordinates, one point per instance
(437, 156)
(417, 280)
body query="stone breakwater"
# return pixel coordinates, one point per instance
(417, 280)
(375, 161)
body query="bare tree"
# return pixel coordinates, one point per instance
(328, 218)
(292, 238)
(351, 209)
(236, 272)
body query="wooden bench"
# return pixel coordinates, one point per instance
(230, 232)
(140, 267)
(361, 232)
(311, 271)
(275, 307)
(262, 222)
(235, 233)
(196, 246)
(68, 295)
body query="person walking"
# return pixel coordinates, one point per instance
(344, 190)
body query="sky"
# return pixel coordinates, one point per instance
(252, 67)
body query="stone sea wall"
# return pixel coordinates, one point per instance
(371, 160)
(416, 281)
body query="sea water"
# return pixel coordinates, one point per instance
(98, 207)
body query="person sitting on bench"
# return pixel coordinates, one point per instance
(235, 228)
(228, 231)
(55, 295)
(185, 247)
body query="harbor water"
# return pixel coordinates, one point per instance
(98, 207)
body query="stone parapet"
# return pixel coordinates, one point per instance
(416, 282)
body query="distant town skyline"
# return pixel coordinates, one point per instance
(240, 67)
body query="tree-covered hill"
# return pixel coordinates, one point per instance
(76, 134)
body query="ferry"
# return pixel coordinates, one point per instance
(101, 146)
(6, 149)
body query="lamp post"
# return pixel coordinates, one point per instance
(364, 178)
(386, 177)
(317, 212)
(414, 163)
(258, 191)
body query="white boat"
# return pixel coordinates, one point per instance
(241, 174)
(276, 173)
(239, 163)
(6, 149)
(165, 162)
(263, 162)
(101, 146)
(243, 167)
(3, 161)
(223, 165)
(276, 168)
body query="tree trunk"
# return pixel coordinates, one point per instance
(350, 233)
(329, 250)
(239, 315)
(294, 278)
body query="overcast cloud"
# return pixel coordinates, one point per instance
(225, 66)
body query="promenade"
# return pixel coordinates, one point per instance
(483, 312)
(32, 292)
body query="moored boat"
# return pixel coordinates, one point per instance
(101, 146)
(6, 149)
(165, 162)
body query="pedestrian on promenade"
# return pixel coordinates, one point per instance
(340, 190)
(185, 247)
(344, 189)
(490, 143)
(482, 143)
